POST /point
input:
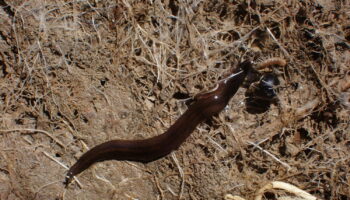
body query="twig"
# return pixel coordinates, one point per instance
(94, 25)
(260, 142)
(103, 94)
(35, 130)
(284, 186)
(233, 197)
(44, 186)
(54, 159)
(63, 165)
(159, 188)
(279, 45)
(277, 185)
(105, 180)
(271, 155)
(173, 155)
(217, 144)
(236, 44)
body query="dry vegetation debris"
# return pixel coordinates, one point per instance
(78, 73)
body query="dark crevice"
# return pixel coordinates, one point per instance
(7, 8)
(174, 7)
(2, 36)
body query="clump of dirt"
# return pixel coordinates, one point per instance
(75, 74)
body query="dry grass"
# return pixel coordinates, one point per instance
(78, 73)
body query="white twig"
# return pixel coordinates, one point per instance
(33, 131)
(44, 186)
(94, 25)
(173, 155)
(217, 144)
(277, 185)
(280, 46)
(105, 180)
(233, 197)
(54, 159)
(63, 165)
(271, 155)
(284, 186)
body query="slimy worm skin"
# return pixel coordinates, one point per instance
(204, 107)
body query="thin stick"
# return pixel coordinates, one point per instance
(159, 188)
(44, 186)
(271, 155)
(63, 165)
(217, 144)
(233, 197)
(280, 46)
(173, 155)
(35, 130)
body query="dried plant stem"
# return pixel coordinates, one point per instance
(34, 131)
(284, 186)
(64, 166)
(279, 44)
(182, 175)
(271, 155)
(277, 185)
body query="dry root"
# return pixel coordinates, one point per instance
(299, 193)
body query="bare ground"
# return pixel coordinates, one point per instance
(77, 73)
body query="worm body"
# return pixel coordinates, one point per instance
(204, 106)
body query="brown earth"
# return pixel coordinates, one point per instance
(77, 73)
